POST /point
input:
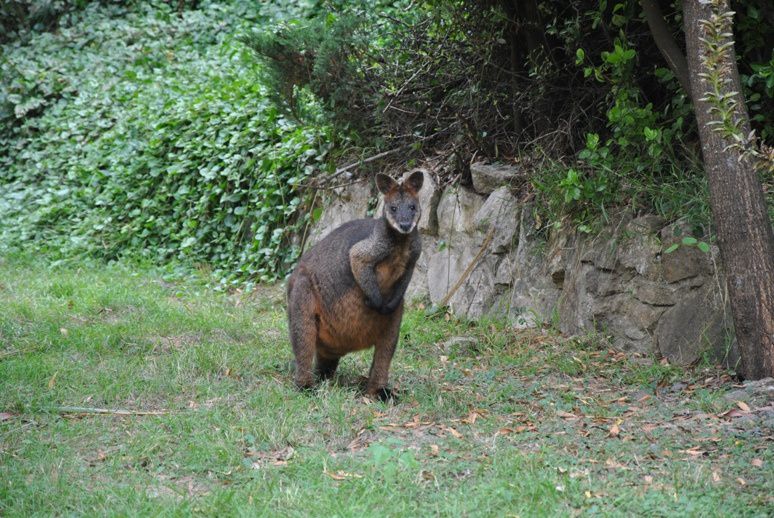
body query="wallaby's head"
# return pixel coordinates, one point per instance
(401, 200)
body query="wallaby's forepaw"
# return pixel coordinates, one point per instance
(386, 310)
(376, 305)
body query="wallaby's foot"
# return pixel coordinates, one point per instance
(304, 381)
(384, 394)
(326, 367)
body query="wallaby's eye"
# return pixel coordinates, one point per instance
(413, 207)
(393, 208)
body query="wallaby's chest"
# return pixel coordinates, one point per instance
(389, 270)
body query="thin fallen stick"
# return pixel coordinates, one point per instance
(106, 411)
(383, 154)
(445, 300)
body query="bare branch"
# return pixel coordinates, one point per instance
(666, 44)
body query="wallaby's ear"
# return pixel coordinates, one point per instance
(384, 183)
(415, 181)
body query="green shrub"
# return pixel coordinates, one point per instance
(151, 135)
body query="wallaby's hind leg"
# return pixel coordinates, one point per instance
(383, 351)
(303, 329)
(325, 368)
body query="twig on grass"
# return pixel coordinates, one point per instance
(105, 411)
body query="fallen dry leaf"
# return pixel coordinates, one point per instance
(614, 464)
(758, 463)
(434, 450)
(566, 415)
(614, 430)
(52, 381)
(715, 476)
(274, 458)
(454, 432)
(4, 416)
(413, 423)
(734, 412)
(341, 475)
(744, 407)
(694, 452)
(742, 482)
(64, 331)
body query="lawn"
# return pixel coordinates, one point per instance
(490, 421)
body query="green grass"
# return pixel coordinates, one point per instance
(511, 423)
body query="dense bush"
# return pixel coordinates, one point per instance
(138, 132)
(576, 90)
(159, 132)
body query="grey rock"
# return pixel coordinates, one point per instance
(626, 331)
(557, 256)
(737, 395)
(532, 296)
(641, 253)
(501, 210)
(429, 196)
(600, 251)
(763, 388)
(646, 224)
(576, 304)
(488, 177)
(342, 205)
(457, 210)
(476, 295)
(419, 287)
(644, 316)
(691, 327)
(686, 261)
(654, 293)
(601, 282)
(445, 266)
(505, 272)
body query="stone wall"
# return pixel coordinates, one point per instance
(619, 283)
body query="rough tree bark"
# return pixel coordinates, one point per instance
(744, 232)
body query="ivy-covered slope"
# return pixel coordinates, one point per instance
(137, 131)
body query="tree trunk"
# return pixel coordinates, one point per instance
(666, 43)
(744, 231)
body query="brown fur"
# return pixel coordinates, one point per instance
(346, 293)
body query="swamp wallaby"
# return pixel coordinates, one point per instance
(346, 293)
